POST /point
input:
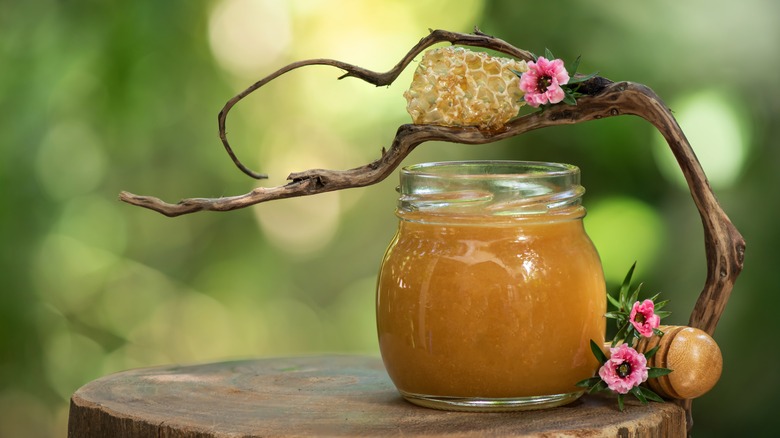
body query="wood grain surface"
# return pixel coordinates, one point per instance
(324, 396)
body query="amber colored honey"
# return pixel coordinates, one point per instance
(490, 307)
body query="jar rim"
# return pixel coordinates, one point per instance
(491, 188)
(499, 169)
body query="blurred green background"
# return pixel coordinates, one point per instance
(99, 97)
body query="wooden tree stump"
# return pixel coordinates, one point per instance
(324, 396)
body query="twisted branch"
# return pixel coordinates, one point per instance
(603, 98)
(723, 243)
(478, 39)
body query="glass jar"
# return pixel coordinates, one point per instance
(491, 291)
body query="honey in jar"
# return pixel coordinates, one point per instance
(491, 291)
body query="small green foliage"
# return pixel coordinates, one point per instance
(627, 337)
(657, 372)
(650, 353)
(597, 352)
(623, 305)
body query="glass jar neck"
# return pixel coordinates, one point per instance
(493, 191)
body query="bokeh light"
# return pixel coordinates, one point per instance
(625, 230)
(99, 97)
(717, 133)
(71, 161)
(247, 35)
(301, 225)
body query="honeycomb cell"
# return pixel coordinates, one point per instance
(454, 86)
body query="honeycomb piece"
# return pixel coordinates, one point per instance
(454, 86)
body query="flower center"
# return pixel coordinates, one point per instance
(544, 82)
(640, 318)
(623, 370)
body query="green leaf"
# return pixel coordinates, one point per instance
(663, 314)
(632, 337)
(650, 395)
(621, 333)
(659, 305)
(518, 73)
(657, 332)
(587, 383)
(597, 352)
(620, 402)
(578, 79)
(635, 295)
(614, 302)
(636, 392)
(574, 66)
(652, 373)
(600, 386)
(624, 329)
(615, 315)
(625, 286)
(533, 56)
(651, 352)
(569, 99)
(548, 54)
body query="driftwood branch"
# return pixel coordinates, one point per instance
(603, 98)
(723, 243)
(478, 39)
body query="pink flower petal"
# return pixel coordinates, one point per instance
(542, 82)
(554, 92)
(647, 320)
(558, 72)
(625, 369)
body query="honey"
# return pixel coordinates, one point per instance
(491, 291)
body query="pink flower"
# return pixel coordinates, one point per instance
(542, 82)
(625, 369)
(643, 318)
